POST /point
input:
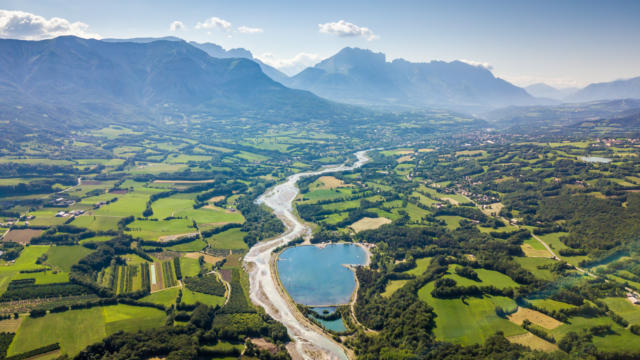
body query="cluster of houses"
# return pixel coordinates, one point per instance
(70, 213)
(62, 202)
(633, 298)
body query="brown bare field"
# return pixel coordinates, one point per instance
(404, 152)
(157, 268)
(226, 274)
(10, 325)
(503, 179)
(330, 182)
(183, 181)
(175, 237)
(22, 236)
(492, 208)
(368, 223)
(535, 317)
(426, 150)
(216, 199)
(207, 258)
(452, 201)
(529, 251)
(532, 341)
(263, 344)
(405, 158)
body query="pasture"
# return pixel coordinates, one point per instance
(75, 329)
(231, 239)
(476, 315)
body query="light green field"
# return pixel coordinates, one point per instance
(453, 221)
(230, 239)
(421, 266)
(392, 286)
(193, 246)
(153, 230)
(531, 264)
(415, 213)
(46, 217)
(184, 158)
(45, 277)
(63, 257)
(535, 244)
(487, 278)
(76, 329)
(164, 297)
(131, 203)
(550, 304)
(251, 156)
(625, 309)
(192, 297)
(621, 340)
(189, 267)
(469, 323)
(97, 222)
(181, 205)
(327, 194)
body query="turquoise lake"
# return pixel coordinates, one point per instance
(316, 276)
(335, 325)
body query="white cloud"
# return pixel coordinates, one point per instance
(214, 23)
(176, 25)
(249, 30)
(26, 26)
(346, 29)
(481, 64)
(291, 66)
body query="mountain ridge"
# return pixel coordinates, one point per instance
(363, 77)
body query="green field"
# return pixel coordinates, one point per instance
(76, 329)
(181, 205)
(487, 278)
(189, 267)
(392, 286)
(531, 264)
(421, 266)
(231, 239)
(469, 323)
(154, 230)
(164, 297)
(621, 339)
(624, 308)
(63, 257)
(192, 297)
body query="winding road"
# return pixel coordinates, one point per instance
(309, 341)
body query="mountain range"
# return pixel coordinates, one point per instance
(543, 90)
(102, 77)
(145, 77)
(618, 89)
(363, 77)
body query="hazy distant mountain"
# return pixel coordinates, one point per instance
(98, 77)
(561, 115)
(619, 89)
(216, 51)
(363, 77)
(542, 90)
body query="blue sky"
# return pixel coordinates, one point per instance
(559, 42)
